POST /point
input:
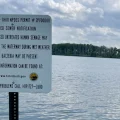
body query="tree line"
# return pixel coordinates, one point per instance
(87, 50)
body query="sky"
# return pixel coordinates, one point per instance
(94, 22)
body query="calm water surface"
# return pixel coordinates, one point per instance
(82, 89)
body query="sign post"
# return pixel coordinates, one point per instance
(13, 106)
(25, 56)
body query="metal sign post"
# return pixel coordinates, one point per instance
(13, 106)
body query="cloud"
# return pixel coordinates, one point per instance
(103, 31)
(67, 34)
(88, 35)
(65, 9)
(89, 1)
(111, 5)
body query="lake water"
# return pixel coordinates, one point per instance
(82, 89)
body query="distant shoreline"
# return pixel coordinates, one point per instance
(85, 57)
(85, 50)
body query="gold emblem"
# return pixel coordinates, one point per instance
(33, 76)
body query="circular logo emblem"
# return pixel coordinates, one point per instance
(33, 76)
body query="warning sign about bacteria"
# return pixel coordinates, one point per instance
(25, 53)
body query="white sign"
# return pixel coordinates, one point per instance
(25, 53)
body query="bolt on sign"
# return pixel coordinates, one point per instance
(25, 53)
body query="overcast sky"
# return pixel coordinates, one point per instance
(75, 21)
